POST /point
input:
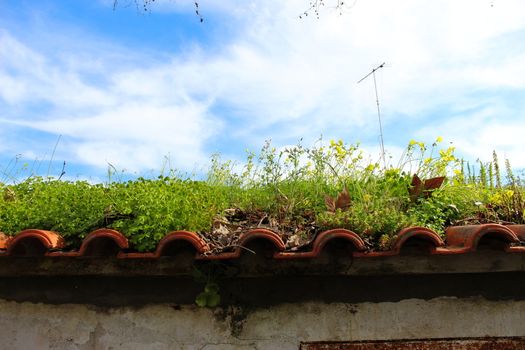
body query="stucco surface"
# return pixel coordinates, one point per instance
(166, 326)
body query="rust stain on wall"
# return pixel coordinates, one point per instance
(434, 344)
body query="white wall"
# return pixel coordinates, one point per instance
(165, 326)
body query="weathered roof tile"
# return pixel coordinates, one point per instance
(107, 242)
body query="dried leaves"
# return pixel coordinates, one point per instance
(419, 188)
(342, 201)
(9, 195)
(227, 228)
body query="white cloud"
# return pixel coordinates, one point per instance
(132, 121)
(28, 76)
(283, 78)
(136, 137)
(476, 135)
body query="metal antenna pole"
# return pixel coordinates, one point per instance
(382, 144)
(380, 124)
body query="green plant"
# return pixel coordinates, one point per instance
(297, 191)
(210, 296)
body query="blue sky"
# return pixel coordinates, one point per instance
(129, 88)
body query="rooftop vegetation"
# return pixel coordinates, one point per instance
(297, 191)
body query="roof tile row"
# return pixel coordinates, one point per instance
(459, 240)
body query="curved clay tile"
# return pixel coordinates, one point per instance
(466, 238)
(97, 242)
(419, 233)
(519, 249)
(261, 233)
(519, 230)
(4, 240)
(220, 256)
(324, 237)
(194, 239)
(34, 242)
(322, 240)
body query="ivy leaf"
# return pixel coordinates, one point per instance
(210, 297)
(213, 300)
(202, 299)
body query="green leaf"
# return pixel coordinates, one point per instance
(214, 299)
(202, 299)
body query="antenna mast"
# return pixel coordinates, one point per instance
(373, 73)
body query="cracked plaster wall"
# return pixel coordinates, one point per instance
(25, 325)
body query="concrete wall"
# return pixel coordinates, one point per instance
(25, 325)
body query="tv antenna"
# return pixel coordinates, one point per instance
(373, 74)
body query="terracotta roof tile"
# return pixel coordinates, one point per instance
(519, 231)
(247, 238)
(34, 242)
(421, 237)
(3, 241)
(107, 242)
(323, 239)
(466, 239)
(417, 233)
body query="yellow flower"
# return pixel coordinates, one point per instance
(370, 167)
(439, 139)
(495, 199)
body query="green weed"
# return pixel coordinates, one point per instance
(297, 191)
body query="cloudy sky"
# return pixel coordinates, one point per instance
(92, 86)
